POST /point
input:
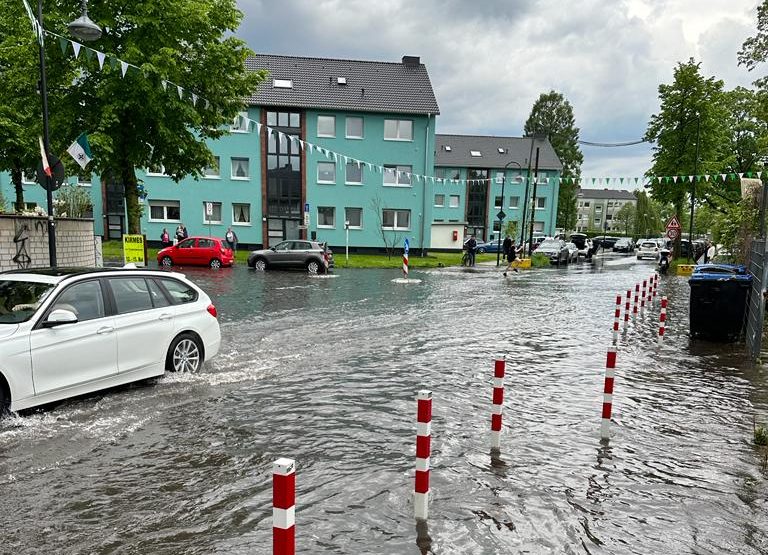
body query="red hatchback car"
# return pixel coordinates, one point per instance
(197, 251)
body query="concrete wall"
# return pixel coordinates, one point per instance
(24, 242)
(442, 236)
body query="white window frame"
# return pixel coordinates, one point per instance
(498, 205)
(362, 127)
(320, 163)
(346, 174)
(398, 172)
(165, 204)
(538, 227)
(346, 218)
(28, 179)
(326, 116)
(150, 173)
(442, 201)
(232, 176)
(205, 216)
(516, 205)
(218, 168)
(398, 133)
(541, 203)
(326, 226)
(450, 201)
(250, 219)
(396, 227)
(282, 83)
(82, 183)
(475, 154)
(240, 123)
(598, 209)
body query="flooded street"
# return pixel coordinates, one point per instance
(326, 370)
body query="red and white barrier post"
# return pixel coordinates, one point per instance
(616, 318)
(284, 507)
(626, 309)
(423, 447)
(642, 299)
(637, 298)
(662, 319)
(610, 364)
(655, 284)
(405, 264)
(650, 290)
(499, 367)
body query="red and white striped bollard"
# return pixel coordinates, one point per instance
(655, 284)
(499, 368)
(284, 507)
(610, 365)
(650, 290)
(616, 318)
(405, 265)
(626, 309)
(423, 448)
(637, 298)
(642, 299)
(662, 319)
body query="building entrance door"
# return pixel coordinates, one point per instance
(280, 229)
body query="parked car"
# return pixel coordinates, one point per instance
(555, 249)
(491, 247)
(624, 244)
(573, 252)
(64, 333)
(313, 256)
(606, 242)
(197, 251)
(647, 248)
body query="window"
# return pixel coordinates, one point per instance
(84, 299)
(326, 172)
(354, 216)
(156, 169)
(131, 295)
(440, 200)
(598, 221)
(354, 127)
(326, 126)
(453, 201)
(164, 211)
(496, 225)
(608, 217)
(180, 292)
(396, 219)
(282, 83)
(398, 130)
(514, 202)
(283, 119)
(28, 178)
(241, 214)
(498, 202)
(538, 226)
(240, 123)
(475, 153)
(159, 299)
(212, 172)
(598, 209)
(84, 179)
(586, 204)
(215, 217)
(326, 216)
(541, 203)
(240, 168)
(354, 173)
(397, 176)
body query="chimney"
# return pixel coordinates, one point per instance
(411, 60)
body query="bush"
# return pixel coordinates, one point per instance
(761, 436)
(72, 201)
(539, 260)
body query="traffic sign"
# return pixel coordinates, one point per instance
(674, 223)
(672, 233)
(209, 209)
(501, 215)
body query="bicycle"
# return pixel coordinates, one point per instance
(465, 260)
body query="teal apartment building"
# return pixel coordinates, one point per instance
(338, 150)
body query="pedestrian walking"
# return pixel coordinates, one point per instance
(512, 257)
(471, 247)
(179, 233)
(711, 252)
(231, 238)
(165, 238)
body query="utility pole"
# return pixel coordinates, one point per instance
(533, 196)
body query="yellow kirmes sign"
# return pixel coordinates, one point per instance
(133, 250)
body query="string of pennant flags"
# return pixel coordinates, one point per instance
(125, 68)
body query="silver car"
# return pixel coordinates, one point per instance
(313, 256)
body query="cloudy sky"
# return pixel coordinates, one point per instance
(490, 59)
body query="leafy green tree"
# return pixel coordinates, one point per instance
(647, 222)
(747, 132)
(552, 115)
(626, 217)
(754, 51)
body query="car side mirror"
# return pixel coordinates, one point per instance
(60, 317)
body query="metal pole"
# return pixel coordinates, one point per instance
(693, 186)
(525, 197)
(533, 196)
(501, 220)
(46, 141)
(346, 248)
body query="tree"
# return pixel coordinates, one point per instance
(626, 217)
(647, 222)
(138, 118)
(552, 115)
(747, 131)
(754, 51)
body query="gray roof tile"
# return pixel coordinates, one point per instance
(390, 87)
(612, 194)
(515, 149)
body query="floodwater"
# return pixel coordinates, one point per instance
(326, 371)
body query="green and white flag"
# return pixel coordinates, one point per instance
(80, 150)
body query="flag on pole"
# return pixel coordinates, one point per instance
(44, 156)
(80, 150)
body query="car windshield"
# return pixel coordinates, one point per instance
(649, 245)
(19, 300)
(550, 245)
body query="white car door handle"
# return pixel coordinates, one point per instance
(104, 330)
(165, 317)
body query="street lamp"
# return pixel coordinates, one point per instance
(84, 29)
(501, 213)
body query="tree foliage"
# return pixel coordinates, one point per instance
(552, 115)
(647, 220)
(626, 218)
(754, 51)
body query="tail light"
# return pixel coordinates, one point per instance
(212, 311)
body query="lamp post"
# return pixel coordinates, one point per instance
(533, 197)
(693, 185)
(501, 210)
(84, 29)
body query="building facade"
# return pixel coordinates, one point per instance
(486, 176)
(597, 209)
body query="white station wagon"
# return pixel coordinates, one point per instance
(66, 332)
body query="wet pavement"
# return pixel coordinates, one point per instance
(325, 371)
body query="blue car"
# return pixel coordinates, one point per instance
(492, 246)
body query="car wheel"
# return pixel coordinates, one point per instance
(5, 403)
(481, 251)
(167, 261)
(215, 264)
(184, 354)
(259, 264)
(313, 267)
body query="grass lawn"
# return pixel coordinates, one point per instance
(113, 251)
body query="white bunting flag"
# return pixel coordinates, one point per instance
(370, 166)
(674, 178)
(759, 175)
(706, 178)
(740, 175)
(101, 57)
(180, 91)
(723, 176)
(123, 67)
(165, 84)
(258, 127)
(194, 99)
(76, 47)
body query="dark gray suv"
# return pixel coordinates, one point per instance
(315, 257)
